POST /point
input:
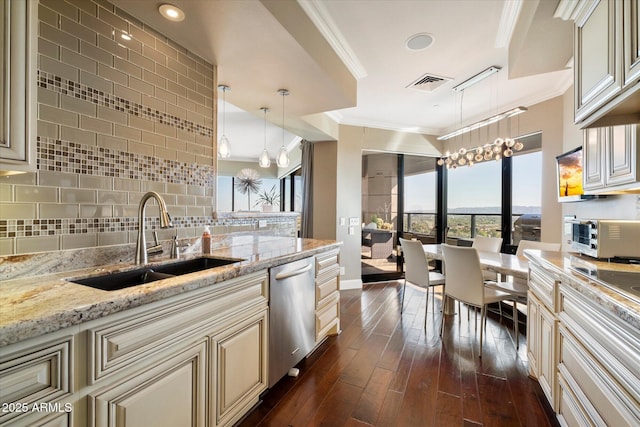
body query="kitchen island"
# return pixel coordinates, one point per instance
(186, 350)
(583, 339)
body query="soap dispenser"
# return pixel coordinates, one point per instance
(206, 241)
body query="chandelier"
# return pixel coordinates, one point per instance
(501, 147)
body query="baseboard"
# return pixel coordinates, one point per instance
(350, 284)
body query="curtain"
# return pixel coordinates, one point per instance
(307, 189)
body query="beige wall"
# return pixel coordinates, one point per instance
(324, 191)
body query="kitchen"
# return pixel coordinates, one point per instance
(101, 150)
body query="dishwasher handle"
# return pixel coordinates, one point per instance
(287, 274)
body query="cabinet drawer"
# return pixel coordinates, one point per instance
(327, 318)
(543, 286)
(38, 374)
(610, 341)
(325, 287)
(326, 261)
(135, 334)
(570, 413)
(604, 400)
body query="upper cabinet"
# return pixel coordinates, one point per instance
(606, 62)
(611, 159)
(18, 124)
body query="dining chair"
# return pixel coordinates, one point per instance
(518, 287)
(465, 282)
(417, 272)
(488, 244)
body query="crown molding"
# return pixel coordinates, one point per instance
(508, 19)
(319, 15)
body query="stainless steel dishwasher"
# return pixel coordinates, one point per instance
(291, 316)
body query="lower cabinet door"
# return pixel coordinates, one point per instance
(170, 393)
(533, 334)
(547, 360)
(239, 365)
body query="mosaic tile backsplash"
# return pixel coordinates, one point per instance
(115, 119)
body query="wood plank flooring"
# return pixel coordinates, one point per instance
(384, 370)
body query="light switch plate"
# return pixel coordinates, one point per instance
(343, 220)
(352, 230)
(262, 223)
(354, 221)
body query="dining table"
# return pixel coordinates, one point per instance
(503, 264)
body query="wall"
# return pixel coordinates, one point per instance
(324, 189)
(116, 119)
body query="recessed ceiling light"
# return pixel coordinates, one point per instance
(171, 12)
(419, 41)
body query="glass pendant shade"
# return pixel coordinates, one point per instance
(282, 159)
(264, 161)
(224, 148)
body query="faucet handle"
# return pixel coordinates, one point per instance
(175, 250)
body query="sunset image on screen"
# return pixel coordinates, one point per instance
(570, 174)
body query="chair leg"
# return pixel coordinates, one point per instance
(515, 323)
(442, 317)
(404, 289)
(482, 315)
(426, 308)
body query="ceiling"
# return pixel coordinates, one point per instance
(348, 60)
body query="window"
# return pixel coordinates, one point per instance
(474, 200)
(419, 195)
(526, 198)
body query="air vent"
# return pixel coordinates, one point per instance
(428, 82)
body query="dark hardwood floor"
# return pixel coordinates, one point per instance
(384, 370)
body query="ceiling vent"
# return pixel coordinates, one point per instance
(428, 82)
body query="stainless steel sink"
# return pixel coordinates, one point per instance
(139, 276)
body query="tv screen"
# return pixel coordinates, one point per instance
(570, 176)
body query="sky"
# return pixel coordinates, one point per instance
(479, 185)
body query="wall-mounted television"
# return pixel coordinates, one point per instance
(569, 167)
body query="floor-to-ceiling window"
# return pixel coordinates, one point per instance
(474, 200)
(420, 194)
(526, 198)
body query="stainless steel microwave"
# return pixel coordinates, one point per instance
(600, 238)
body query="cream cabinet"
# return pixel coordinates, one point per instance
(542, 328)
(194, 359)
(239, 366)
(606, 62)
(611, 159)
(327, 294)
(18, 89)
(168, 394)
(598, 365)
(583, 355)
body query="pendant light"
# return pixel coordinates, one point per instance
(224, 148)
(282, 160)
(264, 161)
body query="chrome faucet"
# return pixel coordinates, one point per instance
(165, 222)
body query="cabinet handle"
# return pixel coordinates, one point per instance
(287, 274)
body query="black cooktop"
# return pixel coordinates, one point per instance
(625, 282)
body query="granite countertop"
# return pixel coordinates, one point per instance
(36, 305)
(626, 307)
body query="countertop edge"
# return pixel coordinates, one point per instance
(111, 302)
(620, 306)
